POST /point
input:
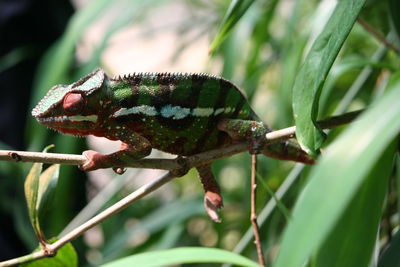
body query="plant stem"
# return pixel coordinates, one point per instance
(379, 36)
(253, 215)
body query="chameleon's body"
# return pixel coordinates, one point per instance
(182, 114)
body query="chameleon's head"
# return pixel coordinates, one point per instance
(72, 109)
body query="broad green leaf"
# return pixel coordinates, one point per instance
(182, 256)
(312, 74)
(349, 244)
(65, 257)
(338, 176)
(390, 256)
(236, 10)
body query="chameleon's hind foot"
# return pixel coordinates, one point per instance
(212, 197)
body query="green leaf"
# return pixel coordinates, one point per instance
(65, 257)
(47, 187)
(31, 195)
(182, 256)
(390, 256)
(338, 176)
(236, 10)
(39, 189)
(365, 209)
(312, 74)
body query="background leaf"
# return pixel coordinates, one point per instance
(236, 10)
(390, 256)
(181, 256)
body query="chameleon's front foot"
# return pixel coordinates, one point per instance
(122, 157)
(95, 160)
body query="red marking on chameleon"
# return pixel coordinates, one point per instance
(73, 103)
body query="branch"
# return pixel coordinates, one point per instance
(179, 165)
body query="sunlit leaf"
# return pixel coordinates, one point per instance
(182, 256)
(312, 74)
(31, 195)
(338, 176)
(38, 189)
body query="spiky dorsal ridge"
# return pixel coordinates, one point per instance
(166, 75)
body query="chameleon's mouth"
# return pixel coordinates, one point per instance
(66, 119)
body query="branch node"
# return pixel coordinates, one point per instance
(15, 156)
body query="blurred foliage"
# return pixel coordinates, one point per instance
(261, 46)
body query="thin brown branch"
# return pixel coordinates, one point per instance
(379, 36)
(253, 214)
(51, 249)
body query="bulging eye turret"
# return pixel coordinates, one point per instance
(73, 103)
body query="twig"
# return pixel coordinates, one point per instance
(52, 248)
(379, 36)
(253, 215)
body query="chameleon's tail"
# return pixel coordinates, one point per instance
(288, 150)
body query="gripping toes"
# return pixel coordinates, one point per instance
(94, 161)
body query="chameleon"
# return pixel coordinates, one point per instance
(182, 114)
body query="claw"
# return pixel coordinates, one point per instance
(119, 170)
(212, 198)
(212, 203)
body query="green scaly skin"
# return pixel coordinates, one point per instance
(182, 114)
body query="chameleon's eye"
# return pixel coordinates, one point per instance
(73, 103)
